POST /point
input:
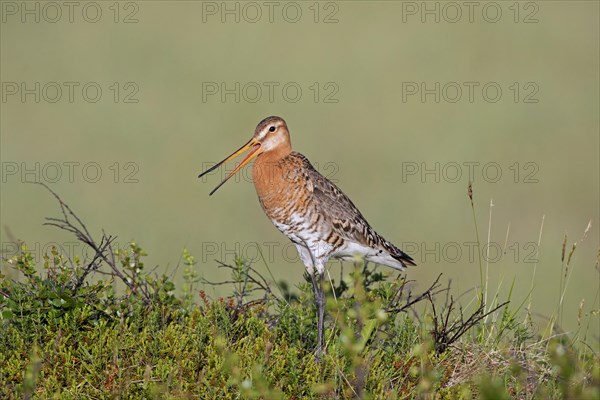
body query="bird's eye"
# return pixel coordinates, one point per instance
(272, 129)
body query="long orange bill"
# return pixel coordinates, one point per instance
(252, 143)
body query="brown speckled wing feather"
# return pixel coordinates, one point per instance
(347, 221)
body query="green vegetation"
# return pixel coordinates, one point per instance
(66, 335)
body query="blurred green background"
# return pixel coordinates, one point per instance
(157, 125)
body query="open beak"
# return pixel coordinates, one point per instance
(252, 144)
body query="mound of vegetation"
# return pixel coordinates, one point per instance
(106, 327)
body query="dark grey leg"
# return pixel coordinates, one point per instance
(317, 282)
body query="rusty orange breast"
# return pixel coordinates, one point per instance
(280, 185)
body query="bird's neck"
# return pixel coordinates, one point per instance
(272, 157)
(268, 170)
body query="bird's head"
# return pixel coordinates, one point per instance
(270, 136)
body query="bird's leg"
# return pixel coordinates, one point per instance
(317, 282)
